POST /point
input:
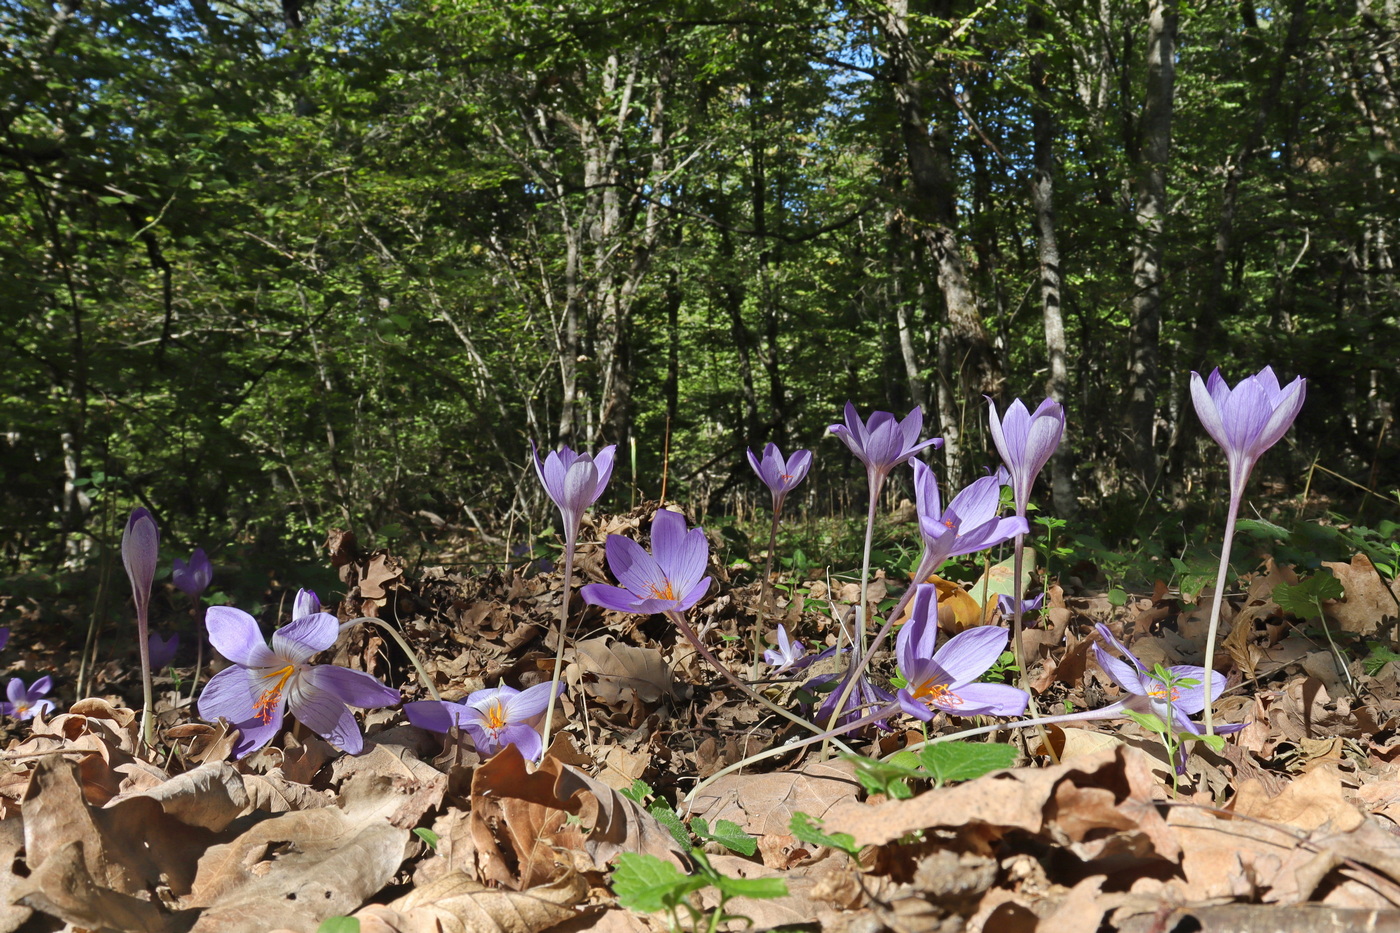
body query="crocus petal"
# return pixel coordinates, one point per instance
(531, 702)
(967, 655)
(40, 687)
(1125, 675)
(40, 708)
(579, 484)
(232, 694)
(918, 637)
(984, 700)
(140, 552)
(634, 568)
(603, 460)
(307, 603)
(437, 715)
(234, 634)
(1286, 408)
(356, 688)
(16, 692)
(316, 705)
(694, 593)
(1107, 636)
(610, 597)
(913, 707)
(1192, 700)
(1207, 409)
(301, 638)
(525, 739)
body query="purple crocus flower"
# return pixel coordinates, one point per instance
(140, 551)
(778, 474)
(1173, 704)
(788, 653)
(969, 523)
(162, 650)
(574, 481)
(945, 680)
(494, 717)
(671, 577)
(26, 704)
(1025, 442)
(864, 698)
(193, 578)
(1007, 604)
(883, 442)
(263, 683)
(1246, 420)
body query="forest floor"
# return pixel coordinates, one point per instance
(1293, 826)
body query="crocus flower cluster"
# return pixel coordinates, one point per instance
(22, 703)
(264, 683)
(493, 718)
(946, 680)
(670, 578)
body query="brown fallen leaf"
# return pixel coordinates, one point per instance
(457, 903)
(1367, 601)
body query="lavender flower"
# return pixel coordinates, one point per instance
(969, 523)
(140, 551)
(1173, 703)
(1246, 420)
(945, 680)
(1007, 604)
(778, 474)
(864, 697)
(1025, 442)
(193, 578)
(26, 704)
(670, 578)
(264, 683)
(494, 717)
(162, 650)
(882, 442)
(574, 481)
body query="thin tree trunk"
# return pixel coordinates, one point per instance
(1144, 333)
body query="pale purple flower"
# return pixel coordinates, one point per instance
(193, 578)
(140, 551)
(162, 650)
(307, 603)
(494, 718)
(574, 481)
(1007, 604)
(264, 683)
(1025, 442)
(1174, 704)
(946, 680)
(969, 523)
(778, 474)
(883, 442)
(788, 652)
(26, 704)
(865, 698)
(671, 577)
(1248, 419)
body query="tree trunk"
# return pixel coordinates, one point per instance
(1150, 192)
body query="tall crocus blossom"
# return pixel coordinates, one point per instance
(24, 703)
(967, 525)
(1245, 421)
(193, 578)
(670, 578)
(264, 683)
(140, 551)
(574, 481)
(882, 442)
(946, 680)
(1169, 700)
(494, 717)
(780, 474)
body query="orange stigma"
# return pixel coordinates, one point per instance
(1160, 693)
(656, 592)
(267, 703)
(495, 716)
(931, 692)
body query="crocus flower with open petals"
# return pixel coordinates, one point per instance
(945, 680)
(1248, 419)
(264, 683)
(494, 717)
(671, 577)
(163, 650)
(969, 524)
(1172, 703)
(26, 704)
(193, 578)
(574, 481)
(1025, 442)
(778, 474)
(883, 442)
(1007, 604)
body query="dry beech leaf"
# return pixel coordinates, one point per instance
(63, 887)
(1367, 602)
(622, 671)
(273, 793)
(763, 804)
(457, 903)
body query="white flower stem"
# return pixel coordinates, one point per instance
(1236, 493)
(563, 631)
(765, 591)
(143, 629)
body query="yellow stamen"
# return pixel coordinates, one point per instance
(656, 592)
(1160, 693)
(495, 716)
(931, 692)
(263, 709)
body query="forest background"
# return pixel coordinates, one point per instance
(270, 269)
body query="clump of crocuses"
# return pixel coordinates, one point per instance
(265, 682)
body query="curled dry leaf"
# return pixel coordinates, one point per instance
(615, 674)
(458, 904)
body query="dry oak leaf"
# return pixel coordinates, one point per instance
(522, 818)
(1107, 790)
(1367, 601)
(763, 804)
(456, 903)
(617, 671)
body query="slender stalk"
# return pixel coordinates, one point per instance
(402, 643)
(198, 611)
(765, 592)
(728, 675)
(1236, 493)
(563, 631)
(1018, 595)
(860, 658)
(148, 726)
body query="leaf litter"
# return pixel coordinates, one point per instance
(1292, 826)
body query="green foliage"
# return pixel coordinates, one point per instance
(650, 884)
(808, 829)
(727, 833)
(936, 763)
(1304, 599)
(339, 925)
